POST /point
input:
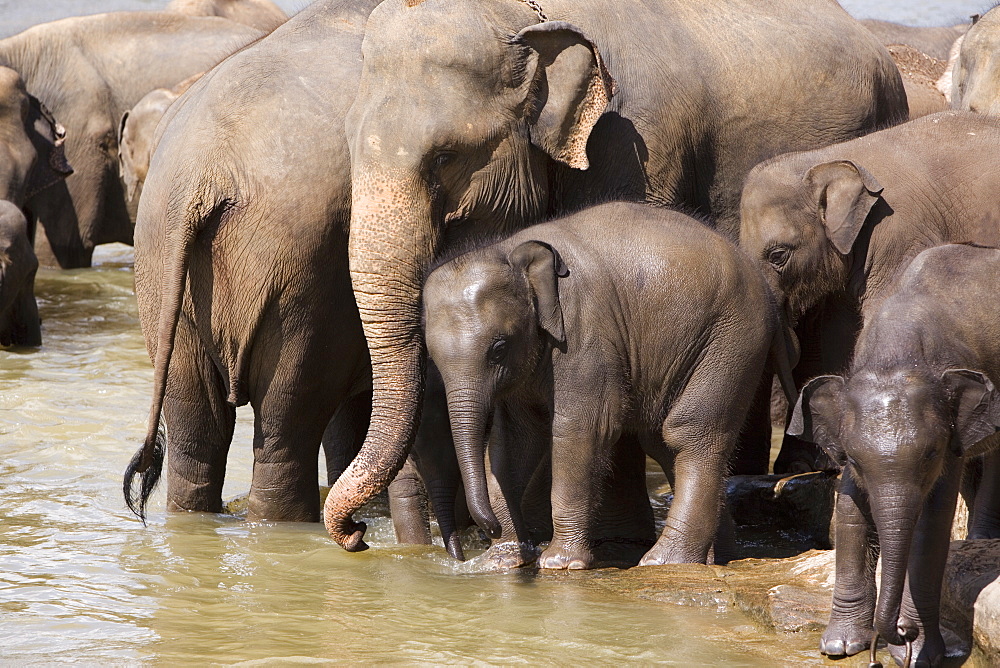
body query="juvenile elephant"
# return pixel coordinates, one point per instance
(242, 280)
(136, 132)
(19, 322)
(833, 228)
(88, 71)
(31, 160)
(919, 399)
(475, 117)
(975, 77)
(570, 334)
(260, 14)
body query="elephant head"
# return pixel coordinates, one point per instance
(975, 76)
(462, 110)
(898, 432)
(491, 317)
(19, 322)
(800, 222)
(31, 142)
(135, 137)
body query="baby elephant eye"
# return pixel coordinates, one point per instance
(778, 256)
(497, 352)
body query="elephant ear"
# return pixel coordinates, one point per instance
(976, 405)
(48, 137)
(542, 266)
(570, 90)
(817, 414)
(844, 193)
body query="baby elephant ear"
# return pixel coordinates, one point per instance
(816, 417)
(844, 193)
(541, 265)
(976, 406)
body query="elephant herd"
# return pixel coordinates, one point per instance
(608, 225)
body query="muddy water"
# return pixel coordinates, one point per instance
(81, 579)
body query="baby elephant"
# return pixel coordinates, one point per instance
(19, 323)
(918, 400)
(619, 320)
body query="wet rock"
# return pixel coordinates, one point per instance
(799, 505)
(970, 596)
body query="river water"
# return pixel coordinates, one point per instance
(81, 579)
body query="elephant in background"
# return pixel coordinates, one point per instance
(936, 41)
(833, 228)
(516, 113)
(88, 71)
(136, 132)
(975, 78)
(571, 334)
(919, 400)
(31, 146)
(242, 279)
(260, 14)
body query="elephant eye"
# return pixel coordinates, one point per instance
(442, 158)
(778, 256)
(497, 352)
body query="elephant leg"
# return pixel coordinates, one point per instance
(985, 510)
(517, 447)
(624, 528)
(345, 433)
(852, 618)
(753, 448)
(925, 571)
(434, 455)
(701, 457)
(408, 506)
(581, 453)
(290, 420)
(199, 423)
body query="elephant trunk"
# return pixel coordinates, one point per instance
(391, 242)
(895, 515)
(469, 411)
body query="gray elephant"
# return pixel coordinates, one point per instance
(570, 334)
(19, 321)
(242, 279)
(935, 41)
(833, 228)
(33, 161)
(975, 79)
(89, 70)
(918, 400)
(474, 117)
(260, 14)
(136, 132)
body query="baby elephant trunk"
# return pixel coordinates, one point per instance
(468, 411)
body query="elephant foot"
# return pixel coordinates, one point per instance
(665, 553)
(928, 651)
(845, 638)
(507, 555)
(558, 556)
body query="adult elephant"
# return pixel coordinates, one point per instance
(31, 161)
(88, 71)
(261, 14)
(242, 280)
(975, 77)
(474, 117)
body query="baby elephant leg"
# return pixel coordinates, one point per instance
(699, 495)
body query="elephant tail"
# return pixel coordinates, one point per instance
(206, 205)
